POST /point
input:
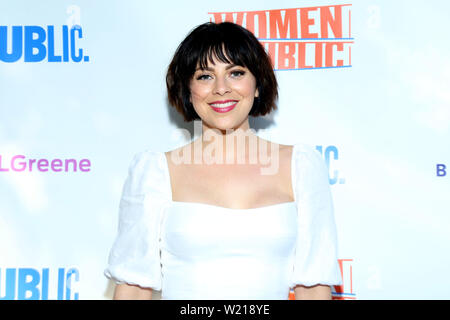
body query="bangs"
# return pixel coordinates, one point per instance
(219, 51)
(224, 43)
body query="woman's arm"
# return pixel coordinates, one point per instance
(317, 292)
(132, 292)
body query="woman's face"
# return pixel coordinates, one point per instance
(223, 94)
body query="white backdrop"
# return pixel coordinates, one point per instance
(381, 118)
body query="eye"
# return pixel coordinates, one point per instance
(203, 77)
(237, 73)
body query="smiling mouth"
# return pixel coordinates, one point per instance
(223, 106)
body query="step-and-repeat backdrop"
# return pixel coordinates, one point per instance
(82, 89)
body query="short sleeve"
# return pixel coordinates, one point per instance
(135, 257)
(315, 260)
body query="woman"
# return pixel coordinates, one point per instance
(206, 221)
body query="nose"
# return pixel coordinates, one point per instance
(221, 86)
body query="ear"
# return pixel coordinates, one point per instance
(256, 93)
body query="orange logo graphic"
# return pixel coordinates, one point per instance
(344, 291)
(300, 38)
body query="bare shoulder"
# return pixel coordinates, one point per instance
(284, 149)
(285, 164)
(286, 154)
(179, 152)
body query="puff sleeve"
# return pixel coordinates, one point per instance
(315, 260)
(134, 257)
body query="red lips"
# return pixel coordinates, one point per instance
(228, 105)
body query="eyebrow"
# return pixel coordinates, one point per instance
(211, 69)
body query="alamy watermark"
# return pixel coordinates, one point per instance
(242, 147)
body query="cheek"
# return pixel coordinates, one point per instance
(198, 92)
(247, 88)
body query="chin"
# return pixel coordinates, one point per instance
(226, 125)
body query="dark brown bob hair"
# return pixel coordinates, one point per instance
(228, 43)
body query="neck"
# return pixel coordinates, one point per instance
(230, 146)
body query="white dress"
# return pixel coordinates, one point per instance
(192, 250)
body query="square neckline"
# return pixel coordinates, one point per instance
(293, 181)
